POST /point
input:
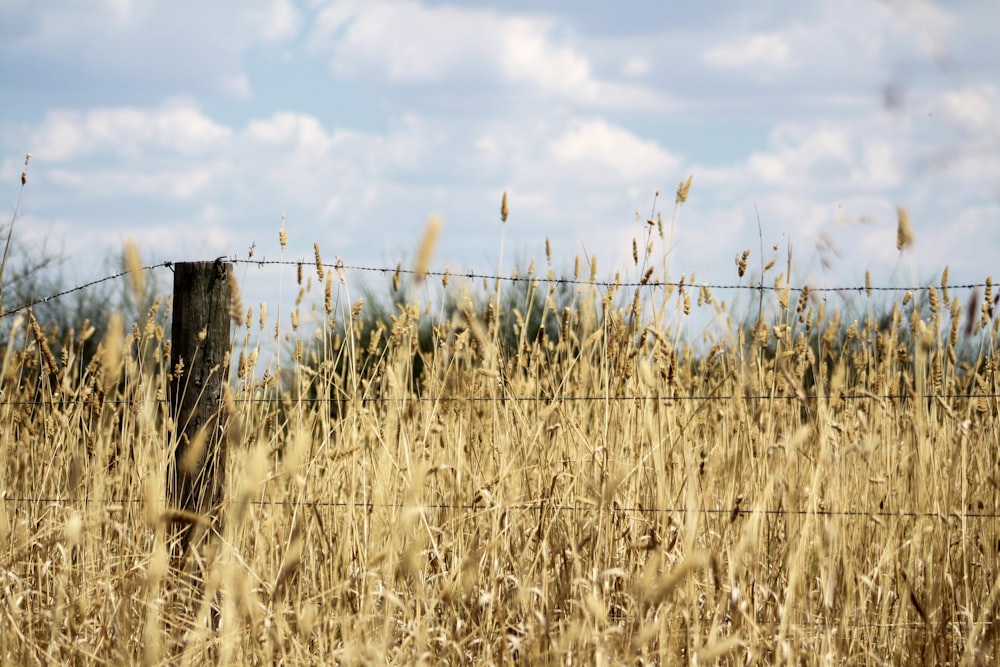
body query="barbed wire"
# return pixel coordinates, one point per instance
(62, 402)
(556, 280)
(536, 506)
(78, 288)
(556, 399)
(472, 275)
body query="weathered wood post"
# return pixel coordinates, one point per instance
(200, 346)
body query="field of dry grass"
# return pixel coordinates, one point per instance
(798, 489)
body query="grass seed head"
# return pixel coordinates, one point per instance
(133, 264)
(426, 248)
(192, 451)
(328, 292)
(683, 189)
(904, 233)
(741, 262)
(236, 310)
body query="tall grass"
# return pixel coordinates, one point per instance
(797, 490)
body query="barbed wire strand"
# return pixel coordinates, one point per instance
(732, 512)
(513, 279)
(61, 402)
(78, 288)
(597, 283)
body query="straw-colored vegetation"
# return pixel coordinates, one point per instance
(537, 474)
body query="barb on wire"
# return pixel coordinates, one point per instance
(472, 275)
(78, 288)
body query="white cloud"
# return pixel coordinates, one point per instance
(178, 183)
(760, 51)
(178, 127)
(768, 169)
(175, 182)
(975, 109)
(860, 154)
(636, 66)
(828, 42)
(878, 167)
(122, 10)
(527, 56)
(238, 86)
(200, 236)
(291, 130)
(610, 151)
(190, 182)
(800, 153)
(280, 20)
(60, 137)
(930, 25)
(407, 42)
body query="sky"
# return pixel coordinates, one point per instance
(192, 127)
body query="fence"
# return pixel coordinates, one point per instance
(200, 336)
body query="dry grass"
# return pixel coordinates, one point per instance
(808, 507)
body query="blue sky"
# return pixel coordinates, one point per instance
(192, 126)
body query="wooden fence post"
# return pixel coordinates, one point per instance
(200, 344)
